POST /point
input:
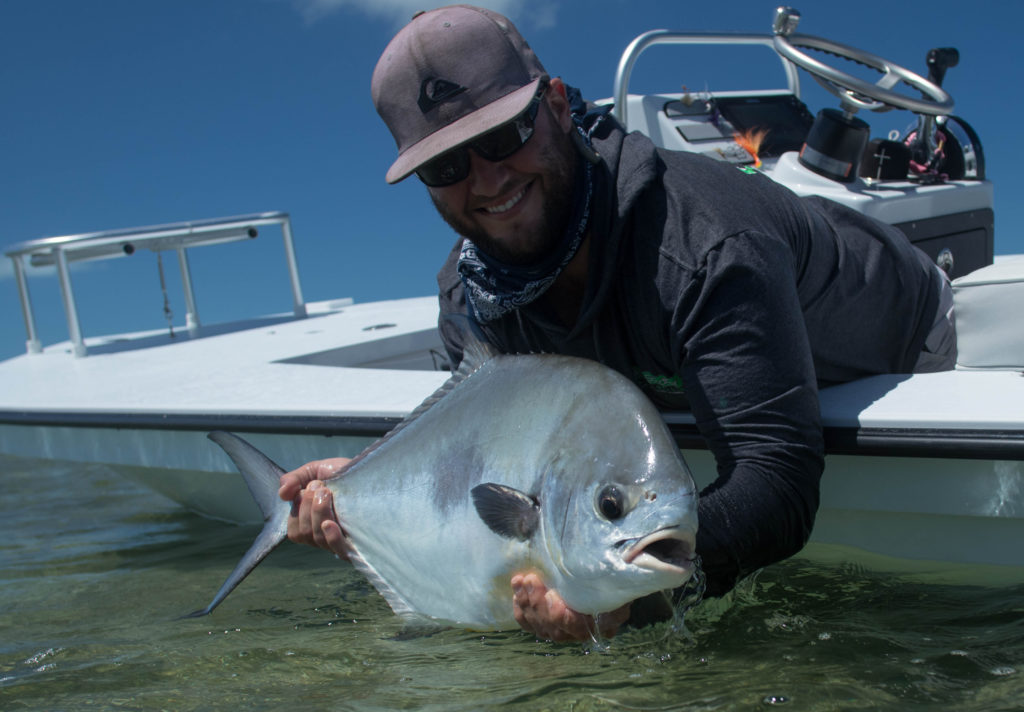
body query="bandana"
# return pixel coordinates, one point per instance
(494, 288)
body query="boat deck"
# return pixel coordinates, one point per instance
(269, 366)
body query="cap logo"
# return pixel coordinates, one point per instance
(434, 91)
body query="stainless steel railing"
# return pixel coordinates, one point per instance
(60, 251)
(620, 90)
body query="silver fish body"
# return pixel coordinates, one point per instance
(542, 463)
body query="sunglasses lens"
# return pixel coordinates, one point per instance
(446, 169)
(505, 140)
(449, 168)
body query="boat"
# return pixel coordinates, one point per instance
(926, 467)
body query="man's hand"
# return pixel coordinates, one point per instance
(544, 613)
(313, 520)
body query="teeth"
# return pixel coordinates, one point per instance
(505, 207)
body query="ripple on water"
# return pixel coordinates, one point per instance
(93, 583)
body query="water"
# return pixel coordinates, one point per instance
(95, 570)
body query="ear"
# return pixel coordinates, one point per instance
(507, 511)
(558, 102)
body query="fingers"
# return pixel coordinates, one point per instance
(542, 612)
(609, 623)
(321, 512)
(295, 481)
(334, 539)
(313, 520)
(300, 523)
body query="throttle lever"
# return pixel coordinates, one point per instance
(939, 60)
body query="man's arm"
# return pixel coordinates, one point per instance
(453, 314)
(750, 381)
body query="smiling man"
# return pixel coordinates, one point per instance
(715, 289)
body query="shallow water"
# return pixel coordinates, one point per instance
(94, 571)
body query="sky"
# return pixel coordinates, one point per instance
(123, 113)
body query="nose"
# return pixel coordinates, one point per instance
(486, 178)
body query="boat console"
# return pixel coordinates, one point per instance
(929, 181)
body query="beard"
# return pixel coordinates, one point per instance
(558, 166)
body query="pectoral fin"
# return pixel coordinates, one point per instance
(507, 511)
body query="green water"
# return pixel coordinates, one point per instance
(94, 571)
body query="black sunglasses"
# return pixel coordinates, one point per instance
(495, 145)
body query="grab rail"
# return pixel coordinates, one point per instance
(620, 90)
(61, 251)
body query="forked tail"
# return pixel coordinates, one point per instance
(262, 477)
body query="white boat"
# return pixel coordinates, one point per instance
(927, 467)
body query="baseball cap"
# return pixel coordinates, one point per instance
(450, 75)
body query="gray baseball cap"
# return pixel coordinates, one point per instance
(450, 75)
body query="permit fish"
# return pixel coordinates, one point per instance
(544, 463)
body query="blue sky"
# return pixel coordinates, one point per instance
(119, 113)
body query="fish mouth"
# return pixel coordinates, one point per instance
(669, 550)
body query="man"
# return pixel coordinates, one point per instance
(715, 289)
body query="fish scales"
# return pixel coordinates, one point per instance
(543, 463)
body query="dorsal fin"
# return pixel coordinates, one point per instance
(475, 354)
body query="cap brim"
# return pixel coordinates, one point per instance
(466, 129)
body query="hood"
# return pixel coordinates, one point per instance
(628, 167)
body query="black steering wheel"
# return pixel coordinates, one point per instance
(855, 93)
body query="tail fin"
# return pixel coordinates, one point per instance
(262, 477)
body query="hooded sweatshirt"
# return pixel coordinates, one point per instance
(720, 292)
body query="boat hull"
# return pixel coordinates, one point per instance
(942, 509)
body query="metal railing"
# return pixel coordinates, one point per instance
(638, 46)
(108, 244)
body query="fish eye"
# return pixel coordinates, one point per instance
(610, 502)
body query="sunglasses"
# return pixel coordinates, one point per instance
(496, 145)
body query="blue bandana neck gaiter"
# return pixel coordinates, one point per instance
(494, 289)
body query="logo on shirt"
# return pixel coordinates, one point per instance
(662, 383)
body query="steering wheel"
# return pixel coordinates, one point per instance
(853, 92)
